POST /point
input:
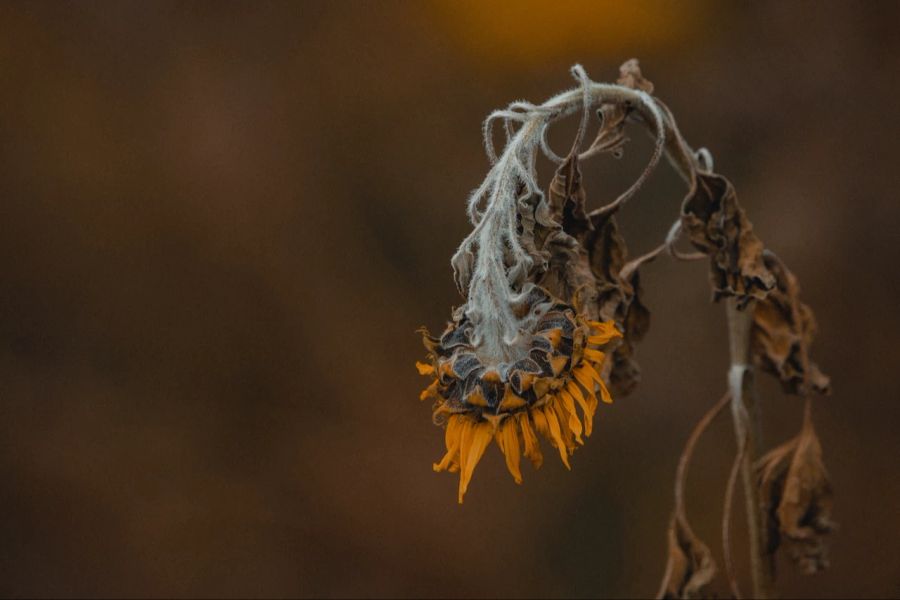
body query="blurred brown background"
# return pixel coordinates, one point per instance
(222, 223)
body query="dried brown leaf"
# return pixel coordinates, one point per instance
(797, 496)
(567, 198)
(630, 76)
(611, 136)
(607, 255)
(690, 567)
(557, 233)
(718, 226)
(618, 298)
(783, 329)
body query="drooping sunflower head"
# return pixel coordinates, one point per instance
(524, 357)
(550, 386)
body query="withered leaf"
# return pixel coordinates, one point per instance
(567, 274)
(611, 136)
(797, 495)
(618, 298)
(718, 226)
(690, 567)
(567, 198)
(625, 373)
(630, 76)
(783, 329)
(607, 256)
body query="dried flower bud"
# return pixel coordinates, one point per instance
(797, 495)
(717, 226)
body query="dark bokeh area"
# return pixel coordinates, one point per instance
(222, 224)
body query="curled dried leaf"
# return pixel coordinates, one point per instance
(630, 76)
(783, 329)
(797, 496)
(567, 198)
(618, 297)
(611, 135)
(559, 230)
(690, 567)
(718, 226)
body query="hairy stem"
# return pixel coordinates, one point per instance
(747, 434)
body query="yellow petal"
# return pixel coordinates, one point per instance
(526, 380)
(554, 336)
(604, 393)
(568, 401)
(465, 440)
(558, 363)
(510, 400)
(431, 390)
(454, 428)
(590, 400)
(508, 440)
(476, 398)
(594, 355)
(556, 435)
(591, 371)
(452, 441)
(584, 378)
(540, 423)
(603, 332)
(480, 438)
(424, 369)
(532, 446)
(562, 417)
(586, 406)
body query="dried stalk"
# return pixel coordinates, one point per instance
(745, 413)
(726, 520)
(690, 566)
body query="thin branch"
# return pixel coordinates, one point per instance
(680, 513)
(685, 460)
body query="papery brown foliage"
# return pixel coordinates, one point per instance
(690, 567)
(718, 226)
(611, 135)
(568, 273)
(797, 494)
(587, 263)
(567, 198)
(630, 76)
(783, 329)
(618, 298)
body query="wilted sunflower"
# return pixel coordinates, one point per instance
(523, 356)
(559, 367)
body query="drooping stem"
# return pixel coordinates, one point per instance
(745, 413)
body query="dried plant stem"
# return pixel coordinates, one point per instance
(747, 434)
(726, 520)
(679, 516)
